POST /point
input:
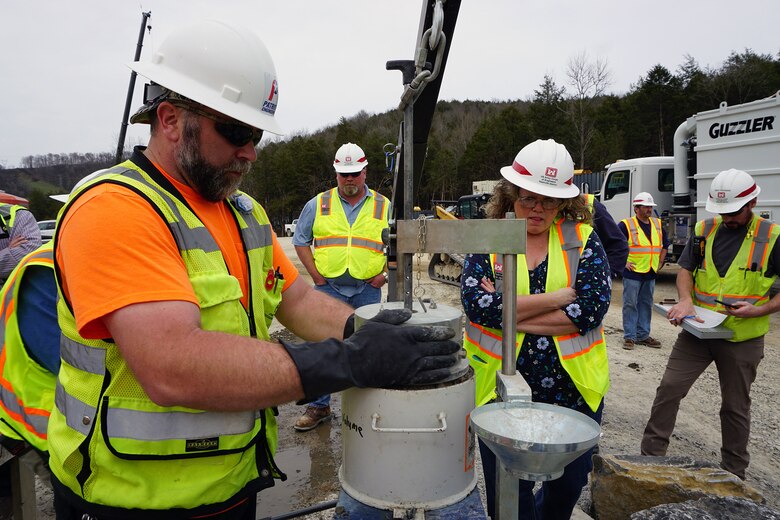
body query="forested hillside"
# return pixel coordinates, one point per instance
(471, 140)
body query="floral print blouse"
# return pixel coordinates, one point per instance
(538, 360)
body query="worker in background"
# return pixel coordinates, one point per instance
(563, 294)
(731, 272)
(19, 235)
(611, 238)
(31, 345)
(169, 278)
(344, 225)
(647, 247)
(28, 311)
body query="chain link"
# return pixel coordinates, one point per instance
(422, 230)
(432, 39)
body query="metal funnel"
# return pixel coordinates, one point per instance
(534, 441)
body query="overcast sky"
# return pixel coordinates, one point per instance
(64, 75)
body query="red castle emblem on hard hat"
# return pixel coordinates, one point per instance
(721, 195)
(551, 172)
(348, 158)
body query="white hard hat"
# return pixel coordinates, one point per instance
(730, 190)
(350, 158)
(224, 67)
(543, 167)
(643, 199)
(64, 196)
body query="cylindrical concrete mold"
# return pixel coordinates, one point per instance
(409, 447)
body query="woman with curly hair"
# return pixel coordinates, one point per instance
(563, 293)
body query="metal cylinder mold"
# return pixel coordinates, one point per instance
(409, 447)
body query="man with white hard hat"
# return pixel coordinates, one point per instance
(728, 266)
(169, 279)
(647, 247)
(338, 239)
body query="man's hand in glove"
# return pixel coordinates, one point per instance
(380, 354)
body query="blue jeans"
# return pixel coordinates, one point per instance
(557, 498)
(637, 308)
(367, 296)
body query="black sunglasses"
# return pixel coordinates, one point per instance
(351, 174)
(236, 134)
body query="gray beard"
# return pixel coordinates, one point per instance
(350, 190)
(211, 182)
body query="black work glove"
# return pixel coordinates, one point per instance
(380, 354)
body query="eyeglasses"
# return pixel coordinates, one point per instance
(236, 134)
(531, 202)
(351, 174)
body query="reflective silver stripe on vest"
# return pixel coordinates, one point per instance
(325, 203)
(256, 236)
(368, 244)
(11, 402)
(379, 206)
(134, 424)
(78, 414)
(760, 244)
(186, 238)
(163, 426)
(710, 298)
(574, 344)
(85, 358)
(569, 346)
(571, 246)
(485, 340)
(330, 242)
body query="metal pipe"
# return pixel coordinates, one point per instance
(406, 263)
(306, 511)
(509, 314)
(120, 147)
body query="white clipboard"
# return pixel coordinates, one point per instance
(710, 328)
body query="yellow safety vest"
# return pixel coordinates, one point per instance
(583, 357)
(644, 253)
(339, 246)
(109, 443)
(8, 216)
(589, 200)
(26, 388)
(744, 280)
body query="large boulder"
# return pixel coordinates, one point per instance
(624, 484)
(709, 508)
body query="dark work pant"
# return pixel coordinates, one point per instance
(737, 364)
(557, 498)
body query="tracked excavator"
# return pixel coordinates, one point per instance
(444, 267)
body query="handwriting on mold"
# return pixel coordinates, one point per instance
(352, 426)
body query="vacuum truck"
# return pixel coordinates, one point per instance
(744, 136)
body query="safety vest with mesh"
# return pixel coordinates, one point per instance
(339, 246)
(583, 357)
(109, 443)
(644, 252)
(26, 388)
(8, 216)
(744, 280)
(589, 200)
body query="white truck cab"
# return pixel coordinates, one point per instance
(624, 179)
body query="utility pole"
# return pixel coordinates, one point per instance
(123, 129)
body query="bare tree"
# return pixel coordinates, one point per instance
(588, 81)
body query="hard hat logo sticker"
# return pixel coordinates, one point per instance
(551, 172)
(269, 105)
(721, 195)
